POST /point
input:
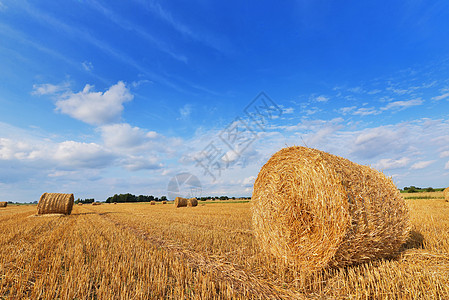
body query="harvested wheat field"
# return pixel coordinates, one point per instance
(137, 251)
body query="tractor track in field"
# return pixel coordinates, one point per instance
(245, 283)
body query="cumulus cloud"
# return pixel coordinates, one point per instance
(82, 155)
(421, 164)
(321, 98)
(125, 136)
(95, 108)
(249, 181)
(387, 163)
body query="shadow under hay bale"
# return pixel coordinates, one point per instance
(315, 210)
(192, 202)
(55, 203)
(180, 202)
(164, 202)
(3, 204)
(414, 241)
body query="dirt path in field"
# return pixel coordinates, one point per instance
(241, 281)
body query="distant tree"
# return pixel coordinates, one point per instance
(164, 198)
(430, 189)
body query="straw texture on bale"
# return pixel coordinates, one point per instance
(315, 210)
(55, 203)
(192, 202)
(446, 193)
(3, 204)
(153, 203)
(180, 202)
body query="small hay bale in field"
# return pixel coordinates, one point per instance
(153, 203)
(314, 209)
(180, 202)
(96, 203)
(115, 202)
(3, 204)
(55, 203)
(164, 202)
(446, 194)
(80, 203)
(192, 202)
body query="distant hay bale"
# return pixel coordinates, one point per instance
(55, 203)
(96, 203)
(164, 202)
(180, 202)
(314, 209)
(80, 203)
(3, 204)
(115, 202)
(446, 194)
(192, 202)
(153, 203)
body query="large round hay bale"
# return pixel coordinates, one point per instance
(192, 202)
(96, 203)
(153, 203)
(446, 193)
(314, 209)
(180, 202)
(55, 203)
(164, 202)
(3, 204)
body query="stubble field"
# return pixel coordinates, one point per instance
(142, 251)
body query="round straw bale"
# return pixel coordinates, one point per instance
(55, 203)
(164, 202)
(180, 202)
(96, 203)
(446, 193)
(3, 204)
(80, 203)
(314, 209)
(153, 203)
(192, 202)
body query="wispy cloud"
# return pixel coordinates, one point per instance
(441, 97)
(421, 164)
(185, 111)
(220, 44)
(388, 163)
(49, 89)
(87, 65)
(399, 105)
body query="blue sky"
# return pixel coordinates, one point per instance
(105, 97)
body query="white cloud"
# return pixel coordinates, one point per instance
(185, 111)
(135, 163)
(371, 142)
(249, 181)
(95, 108)
(447, 166)
(321, 98)
(82, 155)
(441, 97)
(402, 104)
(124, 136)
(49, 89)
(87, 65)
(288, 110)
(387, 163)
(421, 164)
(365, 111)
(444, 154)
